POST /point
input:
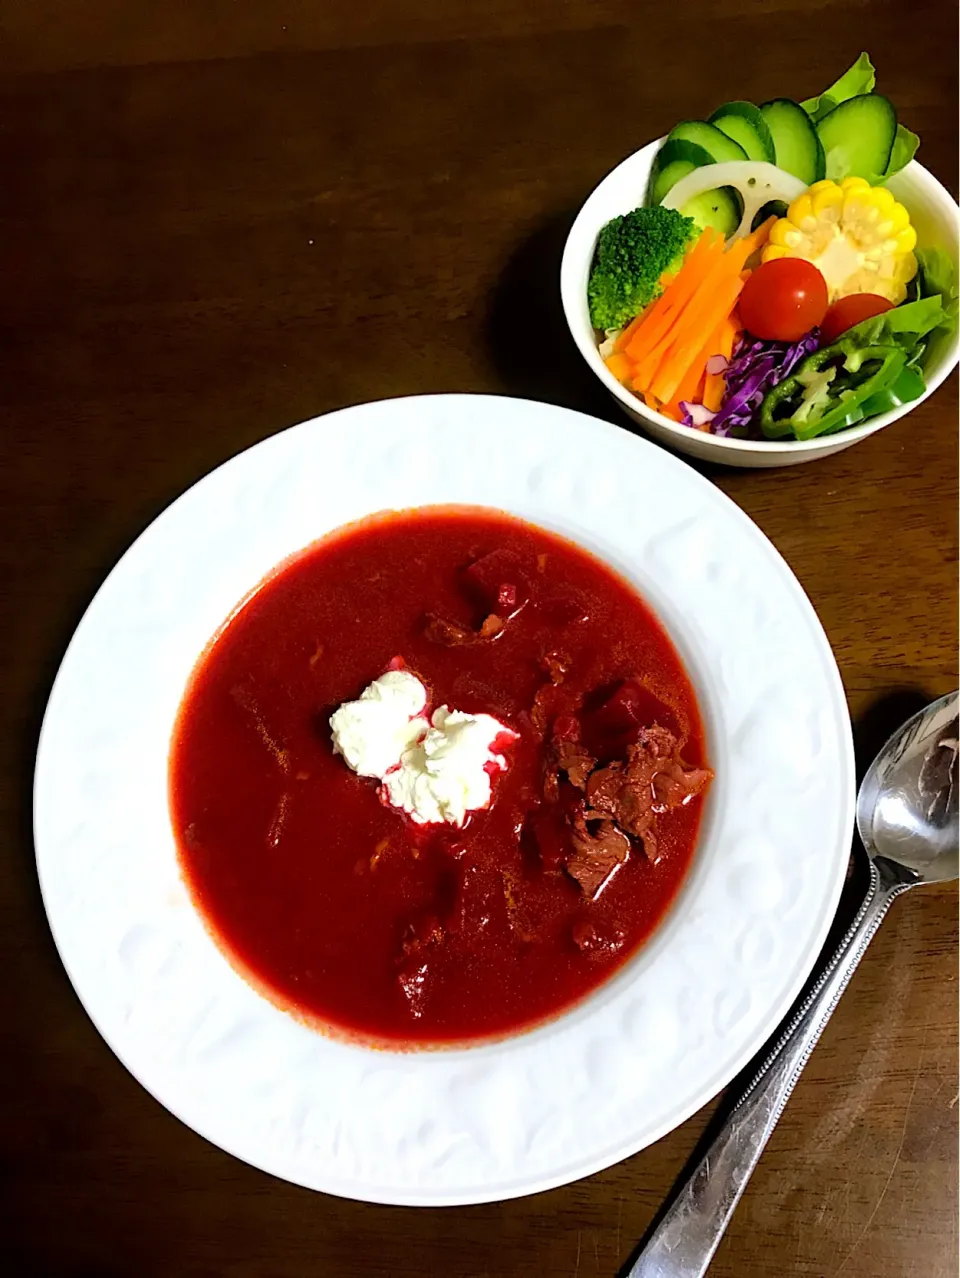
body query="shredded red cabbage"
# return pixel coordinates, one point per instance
(756, 367)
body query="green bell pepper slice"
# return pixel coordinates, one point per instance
(831, 389)
(908, 387)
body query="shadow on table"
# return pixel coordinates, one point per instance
(528, 339)
(870, 733)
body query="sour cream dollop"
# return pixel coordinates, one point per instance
(436, 770)
(372, 732)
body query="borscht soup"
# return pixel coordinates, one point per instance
(437, 778)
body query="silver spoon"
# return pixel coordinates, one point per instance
(907, 818)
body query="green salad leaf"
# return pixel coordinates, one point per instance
(904, 149)
(861, 78)
(938, 274)
(938, 278)
(906, 326)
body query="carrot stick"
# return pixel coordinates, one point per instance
(620, 366)
(687, 389)
(758, 238)
(695, 267)
(692, 321)
(629, 331)
(738, 252)
(713, 390)
(716, 306)
(716, 383)
(691, 346)
(689, 317)
(657, 319)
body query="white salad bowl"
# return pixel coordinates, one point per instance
(936, 218)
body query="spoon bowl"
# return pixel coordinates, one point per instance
(907, 804)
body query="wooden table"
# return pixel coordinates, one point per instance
(218, 223)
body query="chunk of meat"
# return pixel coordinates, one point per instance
(651, 780)
(574, 760)
(570, 757)
(675, 784)
(598, 848)
(623, 798)
(454, 634)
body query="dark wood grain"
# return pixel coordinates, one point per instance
(219, 219)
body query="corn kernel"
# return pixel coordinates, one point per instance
(826, 201)
(800, 210)
(882, 200)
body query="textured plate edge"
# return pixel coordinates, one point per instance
(570, 1173)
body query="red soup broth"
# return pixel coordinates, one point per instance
(312, 886)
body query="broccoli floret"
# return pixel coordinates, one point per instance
(632, 253)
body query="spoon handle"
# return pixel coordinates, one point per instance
(684, 1242)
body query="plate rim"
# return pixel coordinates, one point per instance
(362, 1190)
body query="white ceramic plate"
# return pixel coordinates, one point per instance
(633, 1061)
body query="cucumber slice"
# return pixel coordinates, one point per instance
(794, 139)
(743, 122)
(718, 146)
(668, 177)
(719, 208)
(673, 161)
(857, 137)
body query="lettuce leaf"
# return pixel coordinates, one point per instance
(860, 78)
(904, 149)
(905, 326)
(938, 274)
(938, 278)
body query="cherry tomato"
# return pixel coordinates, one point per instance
(783, 299)
(849, 311)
